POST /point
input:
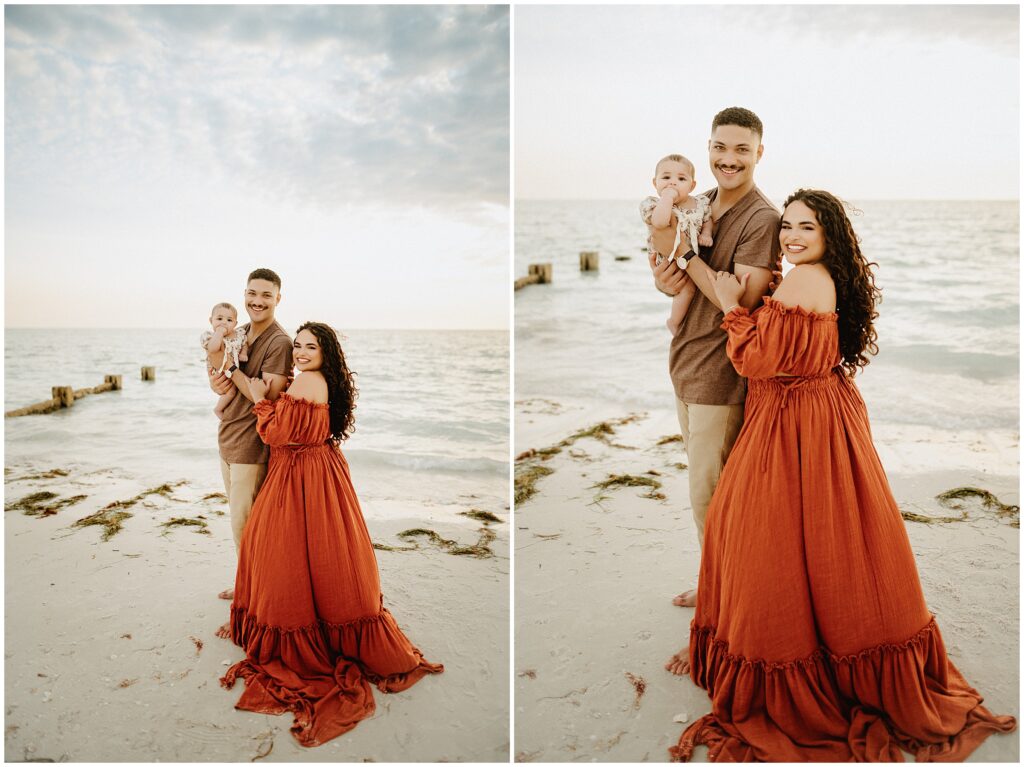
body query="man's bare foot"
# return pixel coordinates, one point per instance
(224, 632)
(227, 594)
(686, 599)
(679, 664)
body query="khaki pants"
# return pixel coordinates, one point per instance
(709, 432)
(242, 482)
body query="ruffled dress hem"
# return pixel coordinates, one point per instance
(855, 702)
(325, 706)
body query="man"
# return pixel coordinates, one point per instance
(709, 392)
(243, 456)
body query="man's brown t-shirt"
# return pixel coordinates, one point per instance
(239, 442)
(747, 233)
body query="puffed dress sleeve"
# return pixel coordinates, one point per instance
(647, 206)
(780, 340)
(272, 422)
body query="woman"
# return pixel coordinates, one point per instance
(811, 634)
(307, 608)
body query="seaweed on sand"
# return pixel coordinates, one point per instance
(526, 481)
(631, 480)
(219, 497)
(953, 499)
(671, 439)
(109, 518)
(197, 522)
(911, 516)
(42, 504)
(480, 550)
(480, 516)
(51, 474)
(965, 499)
(528, 471)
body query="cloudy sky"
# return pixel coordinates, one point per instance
(870, 102)
(155, 155)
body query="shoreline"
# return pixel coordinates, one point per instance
(111, 655)
(598, 567)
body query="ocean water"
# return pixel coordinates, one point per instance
(948, 329)
(431, 417)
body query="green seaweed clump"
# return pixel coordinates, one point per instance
(40, 504)
(670, 439)
(31, 501)
(219, 497)
(480, 549)
(953, 499)
(109, 518)
(51, 474)
(911, 516)
(631, 480)
(198, 522)
(526, 481)
(480, 516)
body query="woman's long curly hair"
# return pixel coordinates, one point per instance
(856, 292)
(341, 385)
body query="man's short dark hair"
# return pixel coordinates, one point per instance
(741, 117)
(265, 274)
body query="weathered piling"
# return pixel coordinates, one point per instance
(149, 374)
(538, 274)
(588, 261)
(65, 396)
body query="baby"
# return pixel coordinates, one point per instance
(690, 217)
(223, 344)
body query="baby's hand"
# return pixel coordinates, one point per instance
(672, 194)
(705, 241)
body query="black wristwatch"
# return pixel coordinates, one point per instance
(232, 369)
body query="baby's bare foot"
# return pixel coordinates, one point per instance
(673, 326)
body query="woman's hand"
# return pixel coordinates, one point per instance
(728, 289)
(258, 388)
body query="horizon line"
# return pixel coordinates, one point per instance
(190, 327)
(865, 199)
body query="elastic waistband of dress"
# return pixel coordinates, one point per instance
(300, 448)
(790, 383)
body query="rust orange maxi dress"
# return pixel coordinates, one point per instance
(308, 609)
(811, 633)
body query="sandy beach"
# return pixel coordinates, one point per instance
(110, 646)
(596, 569)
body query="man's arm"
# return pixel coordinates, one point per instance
(276, 384)
(755, 254)
(703, 277)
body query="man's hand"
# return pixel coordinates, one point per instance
(776, 280)
(219, 382)
(668, 278)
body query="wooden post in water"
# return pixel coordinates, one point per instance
(538, 274)
(588, 261)
(148, 374)
(63, 396)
